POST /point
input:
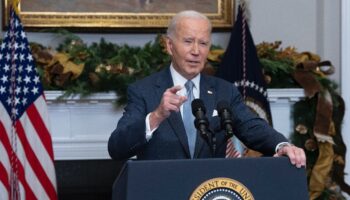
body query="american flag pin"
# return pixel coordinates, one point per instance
(210, 92)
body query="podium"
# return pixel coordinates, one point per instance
(263, 178)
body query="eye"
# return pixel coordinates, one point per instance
(205, 44)
(188, 41)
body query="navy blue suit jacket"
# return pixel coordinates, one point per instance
(169, 141)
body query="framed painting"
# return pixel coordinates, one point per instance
(116, 14)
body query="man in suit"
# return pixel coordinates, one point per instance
(152, 126)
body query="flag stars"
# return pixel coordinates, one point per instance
(19, 79)
(18, 90)
(19, 82)
(2, 90)
(15, 45)
(20, 68)
(35, 90)
(23, 34)
(17, 23)
(14, 111)
(30, 57)
(22, 46)
(24, 101)
(4, 79)
(8, 101)
(27, 79)
(25, 90)
(15, 56)
(6, 68)
(21, 57)
(29, 68)
(36, 79)
(17, 101)
(8, 57)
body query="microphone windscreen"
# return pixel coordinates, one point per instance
(222, 105)
(196, 105)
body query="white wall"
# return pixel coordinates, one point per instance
(312, 25)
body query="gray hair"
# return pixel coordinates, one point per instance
(185, 14)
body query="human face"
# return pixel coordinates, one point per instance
(189, 46)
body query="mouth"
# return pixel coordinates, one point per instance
(193, 62)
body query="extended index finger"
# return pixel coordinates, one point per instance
(175, 89)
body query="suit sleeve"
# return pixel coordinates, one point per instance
(252, 130)
(129, 136)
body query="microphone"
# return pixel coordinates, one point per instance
(224, 111)
(201, 122)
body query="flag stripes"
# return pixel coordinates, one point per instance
(34, 160)
(231, 151)
(4, 179)
(7, 145)
(39, 125)
(28, 143)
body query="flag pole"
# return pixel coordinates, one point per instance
(242, 6)
(14, 178)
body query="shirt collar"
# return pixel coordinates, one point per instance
(178, 79)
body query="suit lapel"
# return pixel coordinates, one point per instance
(164, 82)
(207, 95)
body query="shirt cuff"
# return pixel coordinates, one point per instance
(281, 145)
(149, 132)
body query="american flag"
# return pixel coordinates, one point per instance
(26, 154)
(241, 66)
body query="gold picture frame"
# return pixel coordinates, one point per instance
(116, 14)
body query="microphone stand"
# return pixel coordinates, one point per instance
(213, 142)
(210, 138)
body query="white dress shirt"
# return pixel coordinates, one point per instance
(178, 79)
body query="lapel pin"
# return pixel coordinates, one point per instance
(210, 92)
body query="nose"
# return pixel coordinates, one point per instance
(195, 48)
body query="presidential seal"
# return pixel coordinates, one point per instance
(221, 189)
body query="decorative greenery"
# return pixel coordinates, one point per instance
(81, 69)
(287, 67)
(105, 66)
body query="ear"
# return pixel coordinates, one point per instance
(169, 46)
